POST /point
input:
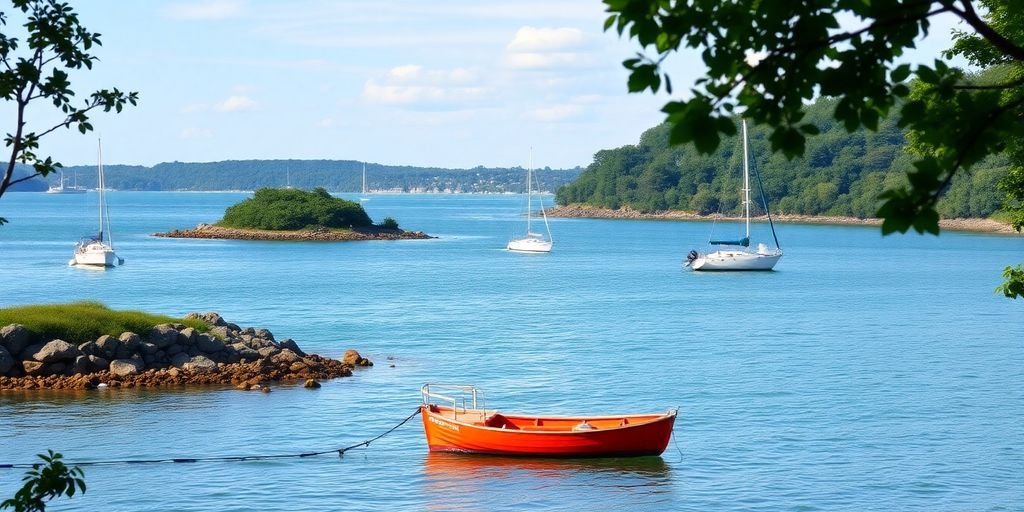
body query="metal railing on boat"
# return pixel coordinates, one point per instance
(457, 395)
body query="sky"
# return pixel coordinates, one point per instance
(445, 83)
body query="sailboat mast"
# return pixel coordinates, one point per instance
(99, 182)
(529, 193)
(746, 178)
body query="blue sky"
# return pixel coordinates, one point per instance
(447, 83)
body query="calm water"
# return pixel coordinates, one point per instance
(866, 373)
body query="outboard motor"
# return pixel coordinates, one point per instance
(691, 257)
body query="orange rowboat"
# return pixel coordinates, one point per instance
(455, 420)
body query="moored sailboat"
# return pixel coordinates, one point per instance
(98, 250)
(736, 254)
(532, 242)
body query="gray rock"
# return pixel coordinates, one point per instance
(221, 332)
(57, 350)
(187, 336)
(294, 347)
(98, 364)
(286, 357)
(108, 346)
(269, 351)
(32, 368)
(163, 335)
(211, 318)
(249, 331)
(125, 367)
(14, 338)
(128, 345)
(178, 360)
(58, 368)
(245, 352)
(81, 365)
(27, 352)
(90, 348)
(265, 334)
(147, 349)
(233, 327)
(176, 348)
(6, 361)
(209, 344)
(200, 364)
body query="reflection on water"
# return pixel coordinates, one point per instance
(476, 482)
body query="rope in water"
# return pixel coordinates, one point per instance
(232, 458)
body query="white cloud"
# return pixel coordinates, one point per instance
(554, 113)
(195, 133)
(235, 104)
(545, 60)
(414, 85)
(204, 10)
(548, 48)
(326, 123)
(530, 39)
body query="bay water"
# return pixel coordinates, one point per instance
(865, 373)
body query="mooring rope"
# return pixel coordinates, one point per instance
(231, 458)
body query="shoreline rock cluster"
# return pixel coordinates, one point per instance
(585, 211)
(167, 355)
(312, 235)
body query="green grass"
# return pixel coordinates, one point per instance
(79, 322)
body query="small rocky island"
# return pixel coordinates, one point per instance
(317, 234)
(297, 215)
(167, 355)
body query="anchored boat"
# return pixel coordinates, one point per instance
(456, 420)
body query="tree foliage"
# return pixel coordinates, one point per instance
(55, 44)
(840, 174)
(290, 209)
(45, 481)
(766, 59)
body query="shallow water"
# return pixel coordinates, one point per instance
(866, 373)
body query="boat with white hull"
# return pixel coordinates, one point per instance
(736, 254)
(532, 242)
(98, 250)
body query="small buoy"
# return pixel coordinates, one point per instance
(583, 426)
(101, 385)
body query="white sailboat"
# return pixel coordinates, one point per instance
(61, 189)
(363, 197)
(532, 242)
(98, 250)
(736, 254)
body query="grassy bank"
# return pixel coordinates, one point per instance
(79, 322)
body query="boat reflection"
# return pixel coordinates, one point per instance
(475, 482)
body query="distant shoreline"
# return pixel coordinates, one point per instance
(584, 211)
(209, 231)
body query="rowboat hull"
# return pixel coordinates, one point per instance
(489, 432)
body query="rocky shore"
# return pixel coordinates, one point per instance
(312, 235)
(167, 355)
(584, 211)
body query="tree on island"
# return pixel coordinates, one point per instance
(765, 59)
(56, 43)
(292, 209)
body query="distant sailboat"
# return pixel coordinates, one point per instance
(288, 179)
(97, 250)
(737, 254)
(532, 242)
(363, 197)
(61, 189)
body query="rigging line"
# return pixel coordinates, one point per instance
(226, 458)
(764, 201)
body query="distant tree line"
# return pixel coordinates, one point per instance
(332, 175)
(840, 174)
